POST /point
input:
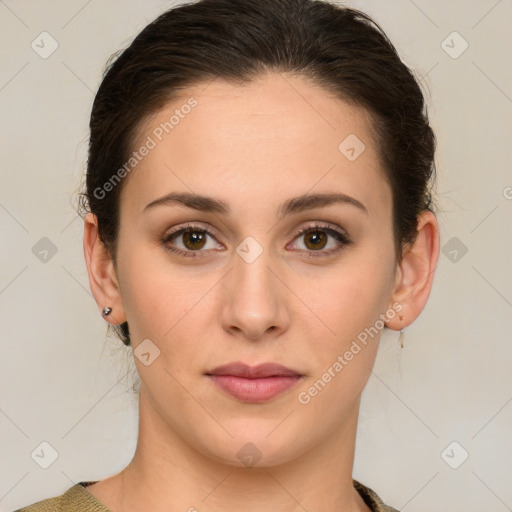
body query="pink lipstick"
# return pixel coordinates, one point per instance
(254, 384)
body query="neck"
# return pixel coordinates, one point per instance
(169, 474)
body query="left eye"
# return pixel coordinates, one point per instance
(316, 239)
(194, 238)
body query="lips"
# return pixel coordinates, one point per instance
(254, 372)
(254, 383)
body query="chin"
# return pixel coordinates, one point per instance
(253, 447)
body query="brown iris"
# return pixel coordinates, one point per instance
(195, 238)
(317, 238)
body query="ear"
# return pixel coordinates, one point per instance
(415, 273)
(102, 277)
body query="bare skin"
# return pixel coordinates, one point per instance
(254, 147)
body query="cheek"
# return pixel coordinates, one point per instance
(173, 308)
(350, 298)
(329, 398)
(349, 303)
(344, 355)
(154, 298)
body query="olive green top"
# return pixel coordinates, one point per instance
(78, 499)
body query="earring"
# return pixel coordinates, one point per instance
(401, 337)
(106, 311)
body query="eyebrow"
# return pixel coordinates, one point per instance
(291, 206)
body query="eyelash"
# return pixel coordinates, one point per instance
(341, 237)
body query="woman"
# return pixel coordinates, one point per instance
(258, 209)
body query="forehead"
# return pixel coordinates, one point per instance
(276, 134)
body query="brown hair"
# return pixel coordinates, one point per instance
(339, 48)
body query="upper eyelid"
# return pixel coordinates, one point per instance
(328, 226)
(190, 226)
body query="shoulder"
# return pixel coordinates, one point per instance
(48, 505)
(75, 499)
(371, 498)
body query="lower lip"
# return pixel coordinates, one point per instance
(254, 390)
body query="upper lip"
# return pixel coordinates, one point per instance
(240, 369)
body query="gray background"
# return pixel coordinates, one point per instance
(64, 383)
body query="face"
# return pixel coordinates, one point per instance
(243, 284)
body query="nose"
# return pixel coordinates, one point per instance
(254, 300)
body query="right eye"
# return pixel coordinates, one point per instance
(193, 238)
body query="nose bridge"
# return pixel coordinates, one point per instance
(253, 301)
(254, 275)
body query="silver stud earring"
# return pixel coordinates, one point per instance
(106, 311)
